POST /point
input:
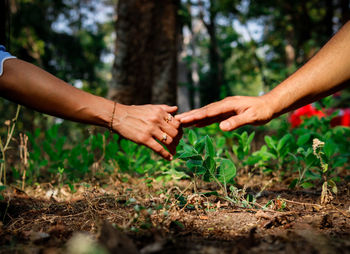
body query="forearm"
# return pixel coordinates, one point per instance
(327, 72)
(31, 86)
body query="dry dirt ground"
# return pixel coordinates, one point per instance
(135, 217)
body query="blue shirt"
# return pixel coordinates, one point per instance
(4, 55)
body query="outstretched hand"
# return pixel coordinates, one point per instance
(145, 124)
(232, 113)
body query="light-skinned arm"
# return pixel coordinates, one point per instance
(31, 86)
(327, 72)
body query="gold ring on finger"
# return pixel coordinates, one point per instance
(169, 118)
(164, 137)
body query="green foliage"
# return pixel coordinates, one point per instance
(65, 38)
(333, 157)
(283, 154)
(51, 156)
(242, 148)
(203, 161)
(2, 188)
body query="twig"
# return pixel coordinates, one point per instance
(341, 211)
(300, 203)
(3, 147)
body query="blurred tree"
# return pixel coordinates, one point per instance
(61, 36)
(345, 11)
(145, 62)
(211, 89)
(4, 12)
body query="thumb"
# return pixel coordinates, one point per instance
(233, 122)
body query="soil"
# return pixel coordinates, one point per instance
(135, 216)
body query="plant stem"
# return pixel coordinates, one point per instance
(3, 147)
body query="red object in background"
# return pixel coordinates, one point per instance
(296, 118)
(342, 119)
(346, 117)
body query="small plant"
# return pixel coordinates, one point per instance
(326, 195)
(242, 148)
(202, 162)
(23, 151)
(60, 177)
(280, 148)
(241, 198)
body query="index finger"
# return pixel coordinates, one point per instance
(192, 117)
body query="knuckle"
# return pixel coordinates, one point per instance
(149, 129)
(158, 149)
(158, 111)
(169, 140)
(154, 118)
(144, 138)
(205, 112)
(175, 133)
(176, 123)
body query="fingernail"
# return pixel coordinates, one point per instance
(171, 157)
(225, 125)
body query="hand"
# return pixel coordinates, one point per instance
(232, 113)
(147, 123)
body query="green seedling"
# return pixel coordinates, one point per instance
(202, 162)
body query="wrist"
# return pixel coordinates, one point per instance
(103, 112)
(112, 117)
(272, 102)
(119, 114)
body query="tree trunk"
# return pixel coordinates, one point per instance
(345, 11)
(145, 65)
(3, 22)
(211, 90)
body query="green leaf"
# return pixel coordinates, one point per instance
(283, 141)
(210, 165)
(339, 162)
(244, 136)
(188, 148)
(200, 170)
(187, 155)
(125, 146)
(270, 142)
(193, 163)
(333, 185)
(293, 184)
(330, 148)
(227, 171)
(251, 136)
(192, 137)
(209, 147)
(325, 168)
(303, 139)
(307, 185)
(252, 160)
(235, 149)
(199, 146)
(250, 198)
(220, 142)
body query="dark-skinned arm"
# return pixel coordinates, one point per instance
(31, 86)
(327, 72)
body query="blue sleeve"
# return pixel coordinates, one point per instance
(3, 56)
